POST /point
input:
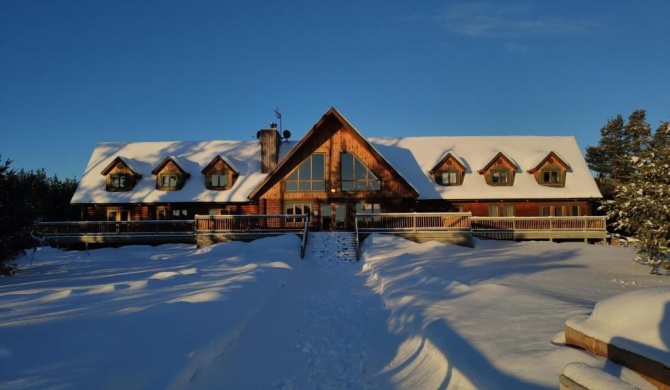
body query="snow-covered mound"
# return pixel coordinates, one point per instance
(637, 321)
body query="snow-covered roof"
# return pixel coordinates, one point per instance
(192, 157)
(414, 157)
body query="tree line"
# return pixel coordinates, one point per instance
(28, 197)
(632, 164)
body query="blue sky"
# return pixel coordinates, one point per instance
(75, 73)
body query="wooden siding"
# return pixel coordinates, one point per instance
(332, 139)
(141, 212)
(522, 208)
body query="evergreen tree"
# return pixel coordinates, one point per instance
(605, 159)
(641, 205)
(25, 199)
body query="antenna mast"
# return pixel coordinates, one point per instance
(278, 116)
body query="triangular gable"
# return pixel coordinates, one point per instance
(497, 157)
(556, 158)
(331, 114)
(218, 159)
(114, 164)
(453, 157)
(165, 161)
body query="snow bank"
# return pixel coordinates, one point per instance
(594, 378)
(637, 321)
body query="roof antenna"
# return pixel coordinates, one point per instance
(284, 134)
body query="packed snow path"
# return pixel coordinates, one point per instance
(323, 329)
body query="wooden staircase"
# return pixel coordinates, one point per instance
(332, 245)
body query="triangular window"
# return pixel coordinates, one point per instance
(356, 176)
(309, 176)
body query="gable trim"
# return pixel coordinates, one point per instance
(332, 112)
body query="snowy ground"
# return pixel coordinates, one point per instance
(253, 315)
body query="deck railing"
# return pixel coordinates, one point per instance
(250, 223)
(378, 222)
(110, 228)
(584, 223)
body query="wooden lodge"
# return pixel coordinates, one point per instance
(334, 173)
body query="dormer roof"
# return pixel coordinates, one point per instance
(165, 161)
(450, 155)
(115, 162)
(549, 156)
(217, 159)
(499, 156)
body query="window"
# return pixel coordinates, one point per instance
(368, 208)
(179, 214)
(309, 176)
(494, 211)
(449, 178)
(505, 210)
(118, 215)
(169, 180)
(219, 180)
(161, 214)
(356, 176)
(119, 181)
(508, 210)
(500, 177)
(550, 176)
(552, 211)
(225, 211)
(574, 210)
(297, 208)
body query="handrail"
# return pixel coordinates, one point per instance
(305, 232)
(356, 237)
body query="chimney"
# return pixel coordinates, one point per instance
(270, 141)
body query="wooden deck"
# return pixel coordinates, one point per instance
(461, 227)
(458, 228)
(203, 230)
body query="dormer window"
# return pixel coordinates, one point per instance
(169, 181)
(119, 176)
(551, 171)
(551, 176)
(449, 171)
(499, 171)
(119, 182)
(170, 176)
(219, 174)
(500, 177)
(219, 180)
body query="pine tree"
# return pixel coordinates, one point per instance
(605, 159)
(641, 205)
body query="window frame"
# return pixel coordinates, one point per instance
(352, 185)
(309, 209)
(300, 183)
(218, 175)
(162, 179)
(455, 172)
(557, 174)
(115, 180)
(507, 175)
